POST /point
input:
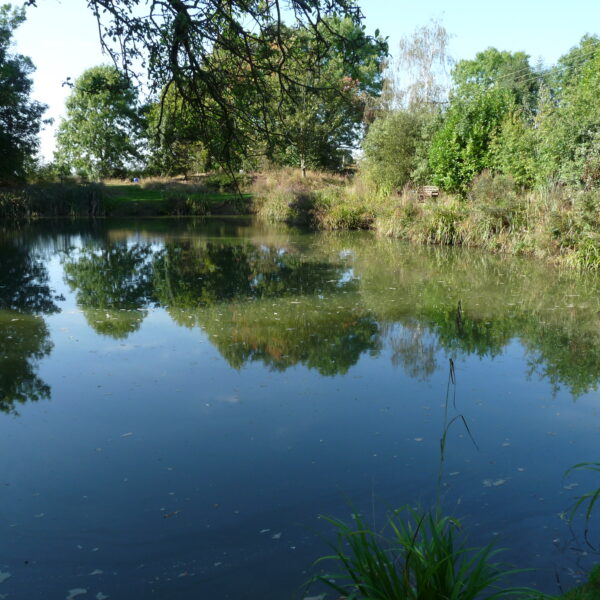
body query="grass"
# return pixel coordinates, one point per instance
(589, 590)
(52, 200)
(172, 198)
(418, 556)
(152, 197)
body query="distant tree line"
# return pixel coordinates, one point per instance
(537, 126)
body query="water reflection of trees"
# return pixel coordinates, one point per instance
(25, 296)
(113, 285)
(296, 330)
(189, 275)
(553, 313)
(256, 302)
(340, 297)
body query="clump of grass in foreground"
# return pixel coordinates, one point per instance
(417, 557)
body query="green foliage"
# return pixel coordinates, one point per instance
(318, 119)
(237, 65)
(495, 69)
(175, 136)
(314, 123)
(514, 149)
(487, 90)
(572, 133)
(99, 137)
(390, 148)
(418, 556)
(462, 148)
(20, 117)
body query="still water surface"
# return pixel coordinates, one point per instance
(182, 399)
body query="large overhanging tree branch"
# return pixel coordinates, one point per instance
(221, 55)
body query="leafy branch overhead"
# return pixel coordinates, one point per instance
(230, 61)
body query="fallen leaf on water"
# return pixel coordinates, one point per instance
(495, 483)
(276, 536)
(76, 592)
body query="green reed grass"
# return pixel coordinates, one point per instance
(418, 556)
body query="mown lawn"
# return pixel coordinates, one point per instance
(125, 199)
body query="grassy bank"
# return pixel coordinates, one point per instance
(556, 223)
(214, 194)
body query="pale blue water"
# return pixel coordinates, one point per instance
(182, 400)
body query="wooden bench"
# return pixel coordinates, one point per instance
(428, 191)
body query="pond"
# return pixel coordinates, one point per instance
(183, 399)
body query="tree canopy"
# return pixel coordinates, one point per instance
(231, 61)
(98, 136)
(20, 116)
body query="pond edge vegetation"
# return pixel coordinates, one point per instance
(555, 223)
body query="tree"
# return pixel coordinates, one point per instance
(20, 117)
(493, 69)
(419, 76)
(390, 149)
(486, 91)
(175, 137)
(98, 138)
(318, 120)
(572, 125)
(462, 147)
(314, 123)
(182, 44)
(403, 120)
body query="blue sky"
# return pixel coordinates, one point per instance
(61, 37)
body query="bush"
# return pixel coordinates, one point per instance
(390, 149)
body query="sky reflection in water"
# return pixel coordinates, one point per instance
(183, 399)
